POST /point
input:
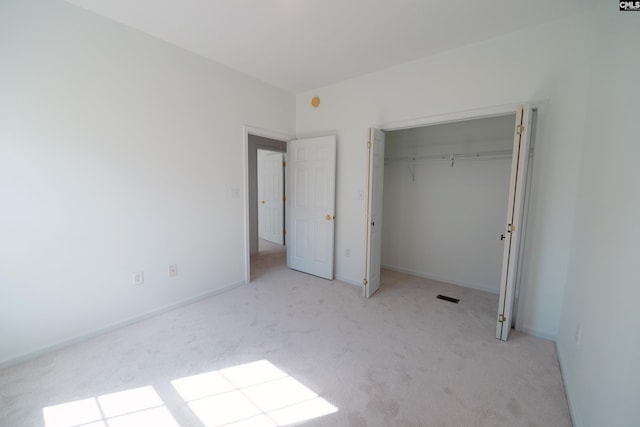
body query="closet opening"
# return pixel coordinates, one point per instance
(450, 200)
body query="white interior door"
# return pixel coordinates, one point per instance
(270, 196)
(374, 212)
(514, 224)
(311, 167)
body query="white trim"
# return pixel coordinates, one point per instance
(246, 130)
(536, 333)
(84, 336)
(349, 281)
(456, 116)
(538, 148)
(441, 279)
(575, 420)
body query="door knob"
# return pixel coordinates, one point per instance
(328, 217)
(263, 202)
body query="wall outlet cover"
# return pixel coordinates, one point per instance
(138, 278)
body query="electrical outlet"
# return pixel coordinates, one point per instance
(578, 333)
(173, 270)
(347, 252)
(138, 278)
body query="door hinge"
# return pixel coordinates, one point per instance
(520, 129)
(511, 228)
(284, 231)
(368, 144)
(365, 282)
(501, 318)
(284, 198)
(284, 164)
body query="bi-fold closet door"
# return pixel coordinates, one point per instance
(373, 252)
(514, 226)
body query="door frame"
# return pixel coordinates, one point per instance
(541, 107)
(246, 131)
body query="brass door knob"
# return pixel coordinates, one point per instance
(328, 217)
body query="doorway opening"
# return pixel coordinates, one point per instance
(307, 208)
(271, 207)
(447, 186)
(265, 160)
(270, 200)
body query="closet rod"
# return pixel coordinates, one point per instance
(411, 161)
(449, 156)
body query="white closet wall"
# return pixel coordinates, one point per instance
(444, 222)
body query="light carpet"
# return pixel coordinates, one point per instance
(401, 358)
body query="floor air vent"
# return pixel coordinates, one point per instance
(446, 298)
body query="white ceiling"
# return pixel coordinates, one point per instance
(299, 45)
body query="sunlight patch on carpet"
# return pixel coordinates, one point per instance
(135, 407)
(256, 394)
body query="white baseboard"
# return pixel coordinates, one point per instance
(13, 360)
(440, 279)
(539, 334)
(349, 281)
(572, 411)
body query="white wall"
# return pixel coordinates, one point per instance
(602, 373)
(119, 152)
(446, 224)
(548, 62)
